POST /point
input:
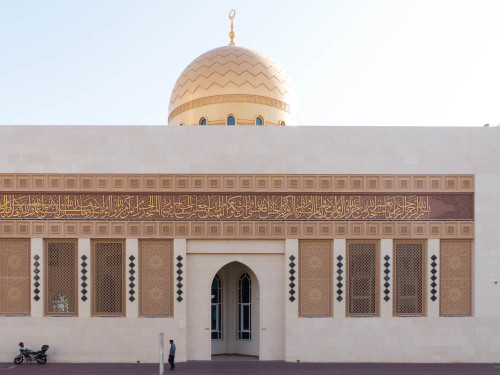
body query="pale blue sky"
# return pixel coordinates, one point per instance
(352, 62)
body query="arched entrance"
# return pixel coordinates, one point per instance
(235, 312)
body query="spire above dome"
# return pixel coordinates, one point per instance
(232, 14)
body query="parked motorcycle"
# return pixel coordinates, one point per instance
(27, 355)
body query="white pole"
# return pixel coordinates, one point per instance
(161, 354)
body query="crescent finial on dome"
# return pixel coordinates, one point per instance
(232, 14)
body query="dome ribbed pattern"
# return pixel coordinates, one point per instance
(232, 70)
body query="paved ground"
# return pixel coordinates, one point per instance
(254, 367)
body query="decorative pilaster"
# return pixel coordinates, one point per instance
(84, 289)
(37, 279)
(433, 277)
(386, 277)
(291, 278)
(132, 264)
(180, 263)
(339, 253)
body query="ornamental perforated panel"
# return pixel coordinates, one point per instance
(315, 277)
(156, 277)
(108, 270)
(61, 291)
(455, 277)
(15, 277)
(409, 277)
(362, 278)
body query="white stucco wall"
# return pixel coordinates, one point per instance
(273, 150)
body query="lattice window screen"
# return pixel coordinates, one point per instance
(156, 278)
(61, 293)
(315, 278)
(409, 277)
(15, 277)
(362, 278)
(455, 277)
(108, 269)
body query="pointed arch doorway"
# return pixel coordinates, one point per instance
(235, 312)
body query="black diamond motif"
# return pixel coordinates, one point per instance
(292, 292)
(179, 258)
(36, 284)
(84, 271)
(386, 298)
(387, 285)
(132, 299)
(37, 277)
(36, 257)
(37, 271)
(179, 265)
(179, 298)
(387, 271)
(339, 272)
(433, 271)
(36, 264)
(131, 278)
(132, 265)
(84, 284)
(339, 292)
(433, 264)
(339, 278)
(387, 278)
(179, 292)
(292, 264)
(179, 285)
(339, 264)
(84, 264)
(386, 291)
(131, 271)
(84, 278)
(339, 258)
(84, 291)
(339, 298)
(339, 285)
(179, 278)
(131, 285)
(433, 277)
(179, 271)
(433, 291)
(434, 257)
(292, 271)
(291, 278)
(387, 257)
(84, 257)
(292, 258)
(433, 298)
(291, 285)
(84, 298)
(132, 258)
(433, 284)
(292, 298)
(36, 298)
(132, 291)
(36, 291)
(386, 265)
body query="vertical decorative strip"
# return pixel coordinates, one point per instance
(387, 278)
(179, 278)
(36, 278)
(84, 278)
(131, 271)
(292, 278)
(339, 278)
(433, 278)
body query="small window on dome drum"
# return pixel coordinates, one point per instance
(258, 120)
(230, 120)
(203, 121)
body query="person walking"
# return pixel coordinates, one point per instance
(171, 355)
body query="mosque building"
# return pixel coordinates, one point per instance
(277, 242)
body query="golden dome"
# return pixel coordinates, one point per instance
(233, 81)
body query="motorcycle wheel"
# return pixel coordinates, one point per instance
(42, 360)
(18, 360)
